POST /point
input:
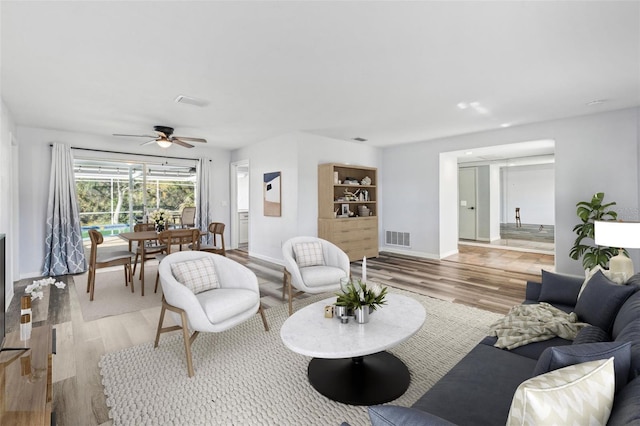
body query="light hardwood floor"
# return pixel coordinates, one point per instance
(78, 392)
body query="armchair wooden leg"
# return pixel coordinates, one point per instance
(127, 269)
(264, 318)
(290, 294)
(188, 340)
(284, 281)
(155, 290)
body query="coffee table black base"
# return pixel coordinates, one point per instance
(369, 380)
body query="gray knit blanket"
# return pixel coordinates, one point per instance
(526, 324)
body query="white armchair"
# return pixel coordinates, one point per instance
(235, 300)
(311, 272)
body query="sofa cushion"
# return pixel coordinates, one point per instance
(559, 288)
(478, 390)
(563, 356)
(578, 394)
(308, 254)
(629, 312)
(617, 278)
(224, 303)
(625, 405)
(600, 301)
(197, 275)
(591, 334)
(394, 415)
(631, 333)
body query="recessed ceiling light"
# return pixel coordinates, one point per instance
(596, 102)
(505, 125)
(469, 152)
(463, 105)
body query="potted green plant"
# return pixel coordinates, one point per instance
(588, 212)
(362, 299)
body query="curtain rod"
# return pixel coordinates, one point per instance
(131, 153)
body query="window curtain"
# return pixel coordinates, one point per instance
(204, 204)
(65, 252)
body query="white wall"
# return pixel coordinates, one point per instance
(532, 189)
(297, 156)
(593, 153)
(34, 168)
(8, 197)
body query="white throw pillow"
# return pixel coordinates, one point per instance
(580, 394)
(197, 275)
(308, 254)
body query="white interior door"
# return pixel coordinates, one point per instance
(467, 203)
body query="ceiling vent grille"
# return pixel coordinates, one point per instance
(395, 238)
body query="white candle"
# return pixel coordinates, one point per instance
(364, 269)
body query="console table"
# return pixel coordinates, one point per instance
(26, 389)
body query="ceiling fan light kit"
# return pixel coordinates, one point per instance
(165, 138)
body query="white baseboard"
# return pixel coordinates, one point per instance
(267, 258)
(28, 275)
(414, 253)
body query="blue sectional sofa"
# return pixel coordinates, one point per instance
(480, 388)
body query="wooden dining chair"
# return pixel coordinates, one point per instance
(217, 230)
(176, 237)
(112, 258)
(152, 247)
(188, 217)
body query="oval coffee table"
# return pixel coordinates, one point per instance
(350, 363)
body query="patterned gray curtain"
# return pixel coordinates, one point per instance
(204, 200)
(65, 253)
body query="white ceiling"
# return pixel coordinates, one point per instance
(390, 72)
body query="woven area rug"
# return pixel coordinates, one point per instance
(111, 297)
(246, 376)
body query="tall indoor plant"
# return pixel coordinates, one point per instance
(588, 212)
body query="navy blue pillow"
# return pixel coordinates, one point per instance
(394, 415)
(559, 288)
(591, 334)
(600, 301)
(557, 357)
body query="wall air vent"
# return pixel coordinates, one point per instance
(184, 99)
(395, 238)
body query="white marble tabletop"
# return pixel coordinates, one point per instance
(308, 332)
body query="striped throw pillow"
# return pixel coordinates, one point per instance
(197, 275)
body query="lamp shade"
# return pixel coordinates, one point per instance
(163, 143)
(617, 234)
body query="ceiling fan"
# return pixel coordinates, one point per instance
(165, 138)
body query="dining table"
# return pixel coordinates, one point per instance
(141, 238)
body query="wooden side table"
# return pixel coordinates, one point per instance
(26, 388)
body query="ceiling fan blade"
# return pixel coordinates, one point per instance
(148, 143)
(135, 136)
(162, 134)
(181, 143)
(190, 139)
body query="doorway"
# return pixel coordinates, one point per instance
(467, 192)
(240, 213)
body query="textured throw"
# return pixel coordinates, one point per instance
(526, 324)
(246, 376)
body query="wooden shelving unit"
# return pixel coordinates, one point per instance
(357, 234)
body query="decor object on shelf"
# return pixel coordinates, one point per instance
(272, 193)
(366, 181)
(159, 217)
(588, 212)
(622, 235)
(35, 289)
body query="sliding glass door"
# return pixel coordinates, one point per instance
(115, 195)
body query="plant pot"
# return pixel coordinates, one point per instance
(362, 314)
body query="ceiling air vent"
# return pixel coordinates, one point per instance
(359, 139)
(184, 99)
